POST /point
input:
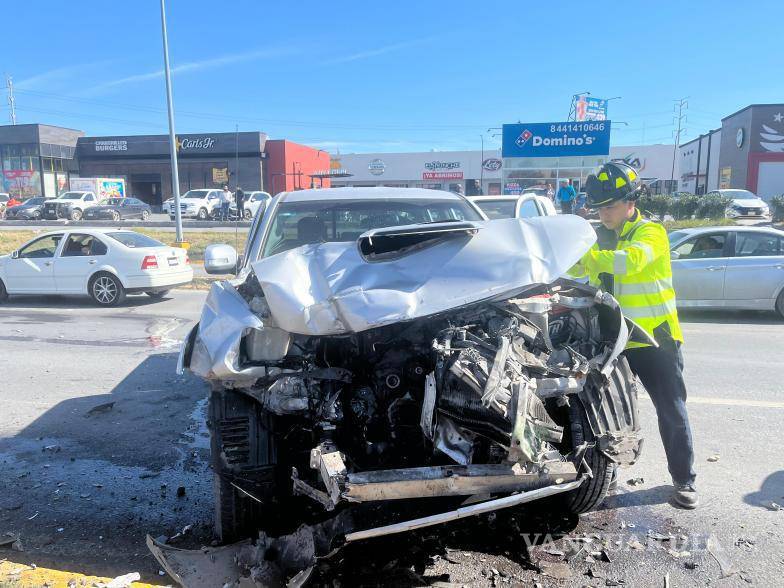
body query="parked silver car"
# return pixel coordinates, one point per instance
(729, 267)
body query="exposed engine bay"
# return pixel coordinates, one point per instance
(510, 399)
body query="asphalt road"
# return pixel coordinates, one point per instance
(83, 489)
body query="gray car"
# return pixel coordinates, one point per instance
(729, 267)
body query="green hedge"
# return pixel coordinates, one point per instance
(685, 206)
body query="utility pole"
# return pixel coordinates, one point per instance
(482, 167)
(9, 83)
(172, 134)
(680, 118)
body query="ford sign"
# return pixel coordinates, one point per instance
(562, 139)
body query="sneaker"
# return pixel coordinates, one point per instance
(685, 495)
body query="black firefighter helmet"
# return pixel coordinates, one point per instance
(616, 180)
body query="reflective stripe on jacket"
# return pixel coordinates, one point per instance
(641, 275)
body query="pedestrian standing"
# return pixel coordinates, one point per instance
(631, 260)
(566, 197)
(239, 196)
(225, 203)
(550, 192)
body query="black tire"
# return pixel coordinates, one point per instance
(203, 214)
(246, 214)
(3, 292)
(780, 304)
(106, 289)
(243, 453)
(76, 214)
(157, 295)
(116, 216)
(145, 215)
(593, 490)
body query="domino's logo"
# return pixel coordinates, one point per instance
(523, 138)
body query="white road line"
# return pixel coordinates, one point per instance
(728, 401)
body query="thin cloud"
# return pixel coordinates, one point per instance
(54, 75)
(192, 66)
(376, 52)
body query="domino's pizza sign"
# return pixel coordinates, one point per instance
(564, 139)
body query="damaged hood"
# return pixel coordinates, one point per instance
(330, 289)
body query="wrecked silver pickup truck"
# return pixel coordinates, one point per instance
(384, 346)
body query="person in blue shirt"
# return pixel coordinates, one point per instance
(565, 197)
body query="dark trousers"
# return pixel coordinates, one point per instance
(240, 209)
(225, 211)
(566, 207)
(660, 370)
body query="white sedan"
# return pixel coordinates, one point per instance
(526, 205)
(104, 264)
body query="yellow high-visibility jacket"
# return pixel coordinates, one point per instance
(642, 275)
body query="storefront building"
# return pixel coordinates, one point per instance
(750, 154)
(540, 155)
(289, 166)
(467, 171)
(208, 160)
(36, 159)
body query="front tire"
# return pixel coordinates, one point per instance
(203, 214)
(246, 214)
(3, 292)
(593, 490)
(145, 215)
(76, 214)
(243, 454)
(115, 216)
(780, 304)
(106, 289)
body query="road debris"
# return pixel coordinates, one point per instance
(691, 565)
(775, 506)
(667, 580)
(145, 475)
(720, 555)
(713, 458)
(32, 517)
(180, 491)
(51, 448)
(8, 539)
(100, 409)
(635, 481)
(745, 542)
(557, 570)
(676, 553)
(121, 581)
(634, 544)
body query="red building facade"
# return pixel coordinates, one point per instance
(289, 166)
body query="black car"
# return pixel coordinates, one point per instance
(32, 208)
(118, 209)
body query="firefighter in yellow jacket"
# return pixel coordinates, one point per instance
(631, 260)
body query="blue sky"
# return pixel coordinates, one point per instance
(388, 76)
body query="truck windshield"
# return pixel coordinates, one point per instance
(71, 196)
(300, 223)
(196, 194)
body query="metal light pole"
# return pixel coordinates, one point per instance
(172, 135)
(482, 167)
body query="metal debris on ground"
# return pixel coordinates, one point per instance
(634, 544)
(691, 565)
(635, 481)
(713, 458)
(660, 536)
(746, 578)
(556, 552)
(51, 448)
(744, 542)
(720, 555)
(100, 409)
(775, 506)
